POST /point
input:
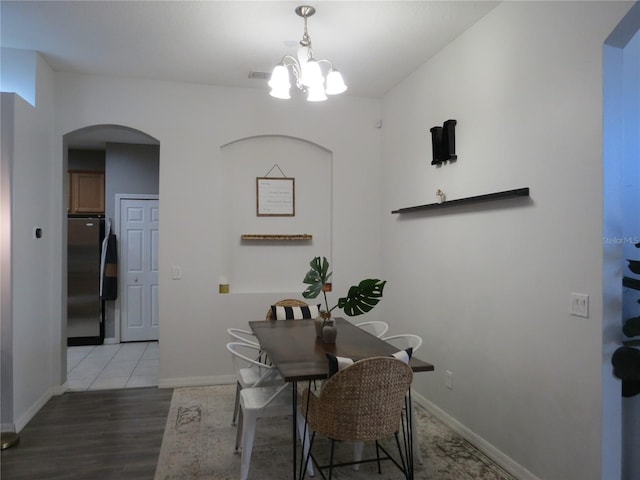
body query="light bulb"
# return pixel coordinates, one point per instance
(316, 94)
(279, 78)
(335, 83)
(282, 93)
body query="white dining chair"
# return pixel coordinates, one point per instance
(244, 336)
(250, 370)
(376, 327)
(402, 342)
(260, 402)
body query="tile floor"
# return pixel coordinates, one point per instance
(102, 367)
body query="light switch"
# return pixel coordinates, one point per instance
(579, 305)
(176, 272)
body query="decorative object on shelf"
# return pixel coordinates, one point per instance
(223, 284)
(360, 299)
(276, 236)
(518, 192)
(626, 359)
(306, 69)
(440, 196)
(443, 142)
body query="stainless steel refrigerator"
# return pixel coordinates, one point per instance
(85, 311)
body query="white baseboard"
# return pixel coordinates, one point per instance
(177, 382)
(60, 389)
(7, 427)
(35, 408)
(485, 447)
(111, 341)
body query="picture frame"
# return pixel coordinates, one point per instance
(275, 197)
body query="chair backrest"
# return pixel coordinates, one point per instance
(363, 401)
(405, 341)
(376, 327)
(245, 355)
(287, 302)
(244, 336)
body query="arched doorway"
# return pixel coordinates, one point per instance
(128, 162)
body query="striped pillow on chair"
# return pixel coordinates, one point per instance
(295, 313)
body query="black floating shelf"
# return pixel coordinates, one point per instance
(490, 197)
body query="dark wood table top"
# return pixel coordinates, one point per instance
(298, 354)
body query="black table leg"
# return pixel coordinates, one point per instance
(295, 422)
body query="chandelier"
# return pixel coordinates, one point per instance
(306, 70)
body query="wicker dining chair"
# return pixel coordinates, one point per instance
(287, 302)
(362, 402)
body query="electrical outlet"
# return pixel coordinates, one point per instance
(579, 305)
(448, 380)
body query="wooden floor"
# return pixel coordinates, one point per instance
(97, 435)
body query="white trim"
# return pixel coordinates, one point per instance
(7, 427)
(111, 340)
(177, 382)
(35, 408)
(480, 443)
(116, 229)
(60, 389)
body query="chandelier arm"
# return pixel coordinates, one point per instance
(289, 61)
(326, 61)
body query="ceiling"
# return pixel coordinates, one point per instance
(375, 44)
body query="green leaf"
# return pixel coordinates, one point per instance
(631, 327)
(317, 277)
(362, 298)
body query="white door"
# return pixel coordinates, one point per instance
(139, 259)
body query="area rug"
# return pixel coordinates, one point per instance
(199, 439)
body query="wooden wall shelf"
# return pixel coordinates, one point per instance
(276, 236)
(490, 197)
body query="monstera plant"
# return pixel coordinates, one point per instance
(360, 298)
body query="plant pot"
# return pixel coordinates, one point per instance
(318, 322)
(329, 331)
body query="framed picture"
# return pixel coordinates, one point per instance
(275, 197)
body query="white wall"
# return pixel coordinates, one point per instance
(488, 286)
(7, 135)
(36, 289)
(192, 123)
(18, 73)
(282, 264)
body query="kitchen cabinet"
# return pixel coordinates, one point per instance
(86, 191)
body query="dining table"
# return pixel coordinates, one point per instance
(299, 355)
